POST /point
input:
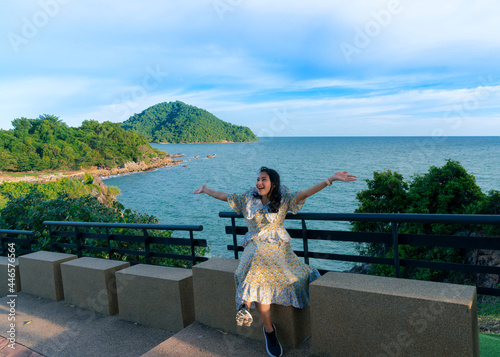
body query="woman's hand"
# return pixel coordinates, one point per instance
(212, 193)
(342, 176)
(201, 189)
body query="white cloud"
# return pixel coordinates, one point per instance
(257, 57)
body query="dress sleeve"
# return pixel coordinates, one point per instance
(289, 199)
(237, 201)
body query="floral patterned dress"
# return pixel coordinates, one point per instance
(269, 272)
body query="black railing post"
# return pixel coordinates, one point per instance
(395, 241)
(108, 242)
(28, 237)
(51, 239)
(147, 246)
(235, 240)
(4, 248)
(193, 255)
(78, 237)
(306, 242)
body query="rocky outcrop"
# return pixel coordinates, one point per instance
(489, 258)
(100, 172)
(131, 166)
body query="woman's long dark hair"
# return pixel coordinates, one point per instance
(275, 197)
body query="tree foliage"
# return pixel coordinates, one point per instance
(30, 204)
(449, 189)
(177, 122)
(46, 143)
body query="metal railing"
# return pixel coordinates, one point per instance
(145, 239)
(395, 239)
(12, 236)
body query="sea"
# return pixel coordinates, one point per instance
(167, 193)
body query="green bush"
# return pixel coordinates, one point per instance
(442, 190)
(88, 178)
(29, 209)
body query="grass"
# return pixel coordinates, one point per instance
(488, 310)
(20, 174)
(489, 345)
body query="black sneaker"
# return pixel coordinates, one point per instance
(273, 346)
(243, 316)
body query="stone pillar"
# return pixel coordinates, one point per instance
(214, 300)
(91, 283)
(362, 315)
(156, 296)
(41, 273)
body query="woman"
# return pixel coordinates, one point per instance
(269, 272)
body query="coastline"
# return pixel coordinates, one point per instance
(128, 167)
(209, 142)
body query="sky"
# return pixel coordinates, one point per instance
(282, 68)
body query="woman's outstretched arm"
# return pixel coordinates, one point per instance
(338, 176)
(215, 194)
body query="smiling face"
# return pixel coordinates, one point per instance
(263, 184)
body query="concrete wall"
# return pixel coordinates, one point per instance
(41, 273)
(156, 296)
(350, 314)
(360, 315)
(214, 300)
(9, 285)
(91, 283)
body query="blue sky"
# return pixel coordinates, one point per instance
(282, 68)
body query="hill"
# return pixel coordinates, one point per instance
(46, 143)
(177, 122)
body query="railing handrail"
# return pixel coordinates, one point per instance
(145, 239)
(13, 231)
(168, 227)
(4, 239)
(387, 217)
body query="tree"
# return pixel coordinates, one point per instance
(386, 193)
(48, 143)
(177, 122)
(442, 190)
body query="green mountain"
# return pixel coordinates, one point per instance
(46, 143)
(177, 122)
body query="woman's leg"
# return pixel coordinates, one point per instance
(265, 314)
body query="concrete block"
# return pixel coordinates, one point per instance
(214, 301)
(362, 315)
(9, 285)
(41, 273)
(156, 296)
(90, 283)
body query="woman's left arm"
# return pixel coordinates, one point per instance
(338, 176)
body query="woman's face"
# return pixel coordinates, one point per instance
(263, 184)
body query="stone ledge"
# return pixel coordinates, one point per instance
(359, 315)
(41, 273)
(5, 289)
(156, 296)
(215, 306)
(91, 283)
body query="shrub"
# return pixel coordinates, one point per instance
(442, 190)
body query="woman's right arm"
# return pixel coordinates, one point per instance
(215, 194)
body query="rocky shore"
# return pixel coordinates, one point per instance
(126, 168)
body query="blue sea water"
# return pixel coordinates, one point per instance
(301, 161)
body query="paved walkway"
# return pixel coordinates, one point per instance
(55, 329)
(18, 350)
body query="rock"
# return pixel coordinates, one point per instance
(98, 181)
